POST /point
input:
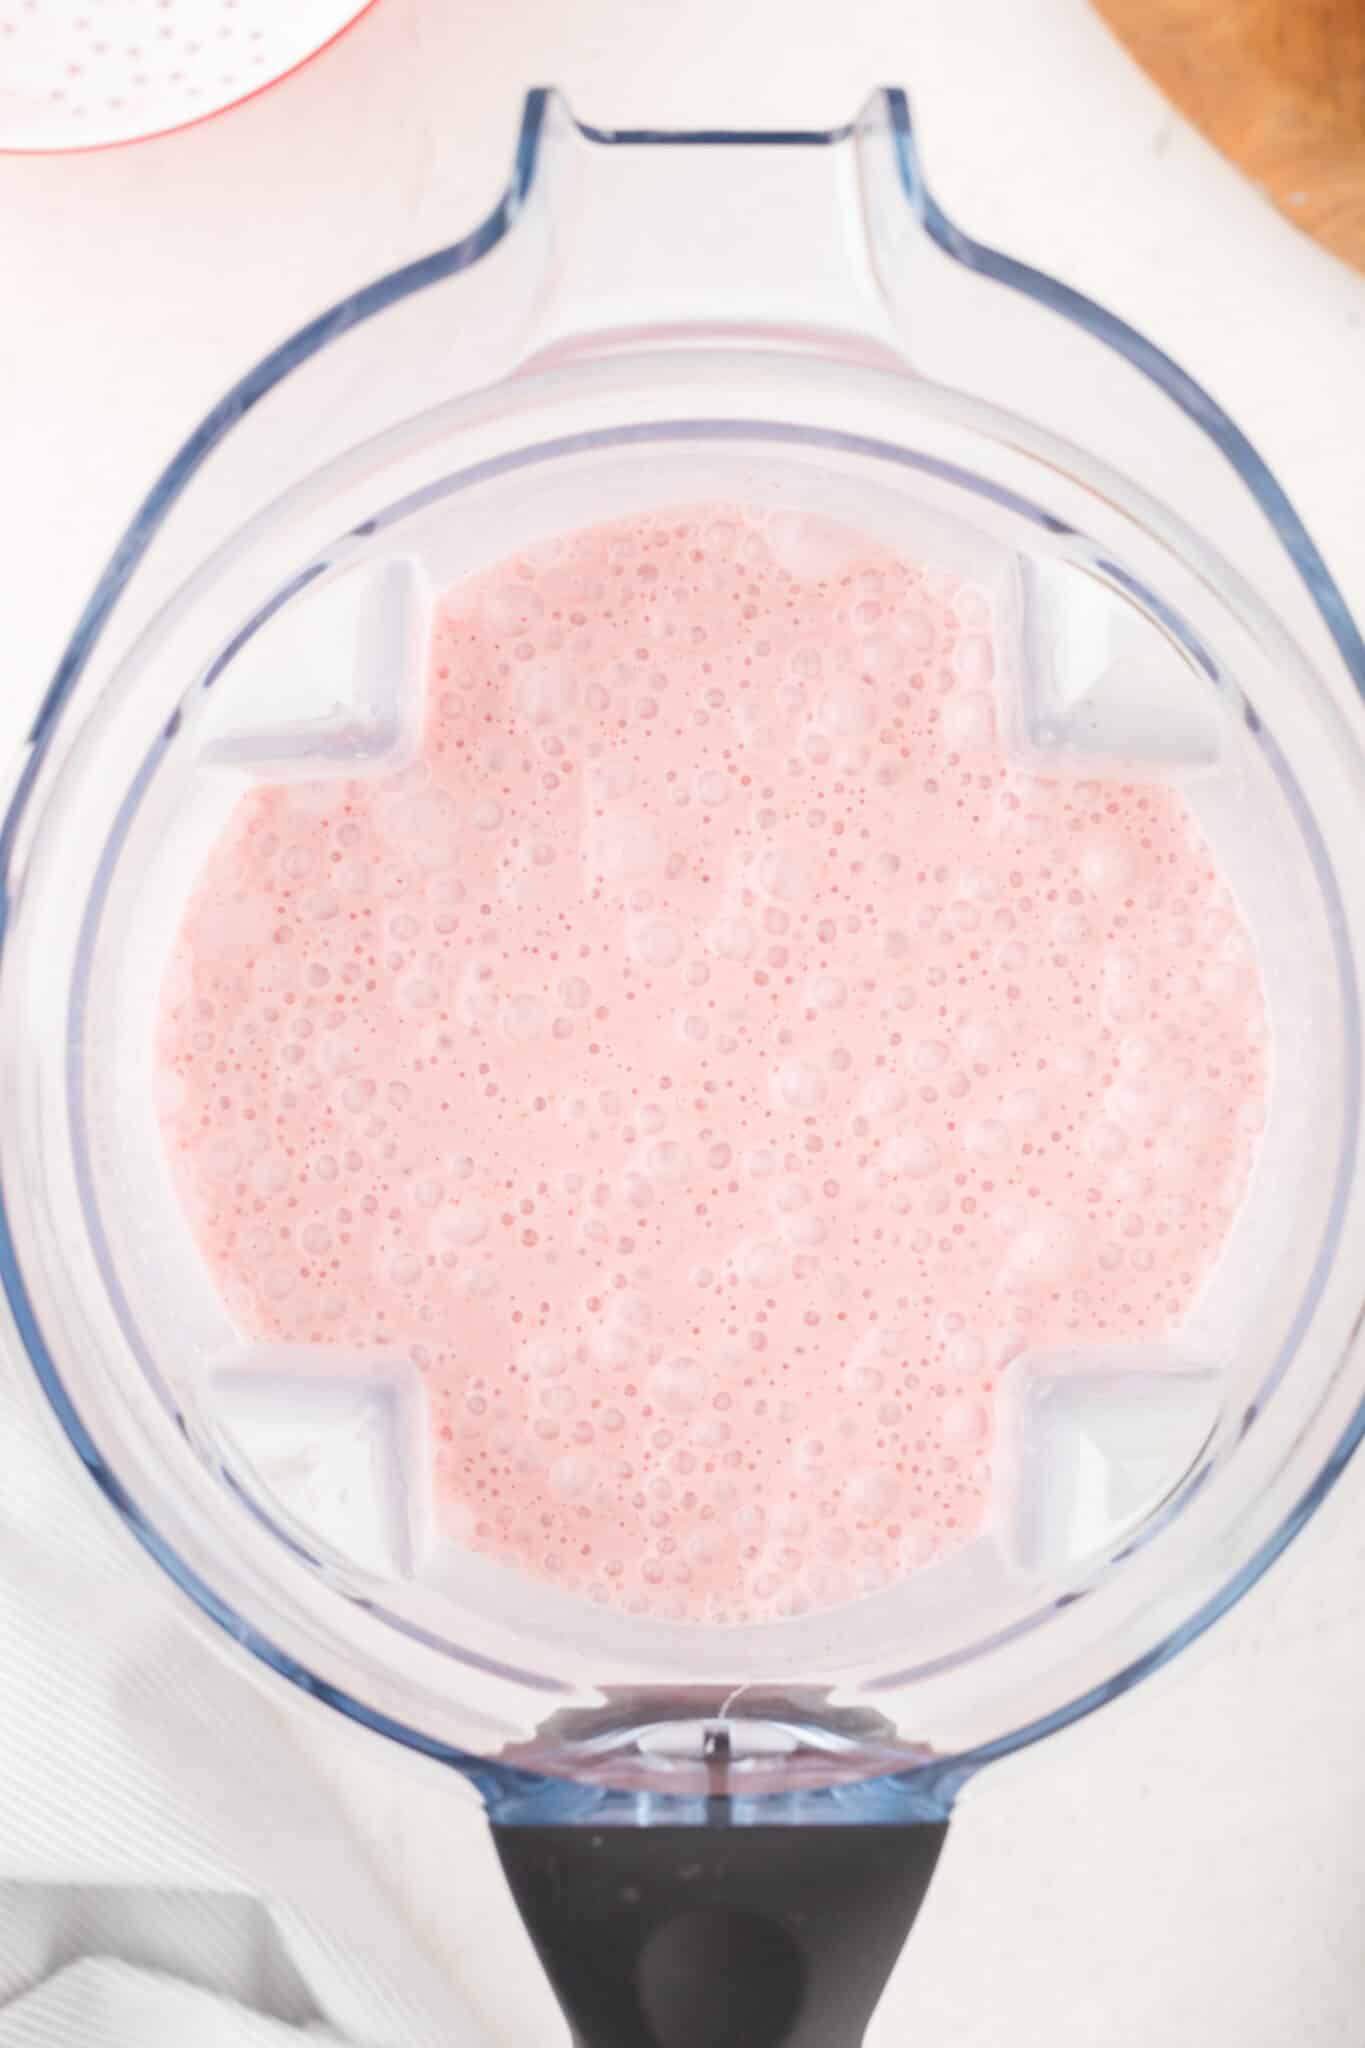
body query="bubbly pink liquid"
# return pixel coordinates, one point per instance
(712, 1061)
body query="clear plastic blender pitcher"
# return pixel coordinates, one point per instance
(718, 1833)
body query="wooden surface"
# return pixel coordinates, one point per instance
(1278, 86)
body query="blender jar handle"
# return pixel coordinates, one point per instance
(719, 1937)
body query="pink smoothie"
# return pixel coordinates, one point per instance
(712, 1061)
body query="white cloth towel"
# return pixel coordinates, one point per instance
(172, 1875)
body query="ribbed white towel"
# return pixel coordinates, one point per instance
(172, 1875)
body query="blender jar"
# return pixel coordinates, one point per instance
(717, 1833)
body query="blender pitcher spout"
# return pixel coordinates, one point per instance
(666, 238)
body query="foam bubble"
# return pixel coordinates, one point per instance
(800, 1084)
(812, 547)
(784, 875)
(572, 1476)
(965, 1422)
(546, 692)
(629, 848)
(543, 1358)
(1121, 985)
(678, 1385)
(733, 938)
(668, 1160)
(523, 1018)
(964, 1352)
(1105, 1142)
(1107, 867)
(1040, 1255)
(974, 661)
(987, 1137)
(459, 1224)
(848, 710)
(1023, 1106)
(883, 1096)
(969, 721)
(912, 1153)
(658, 944)
(870, 1494)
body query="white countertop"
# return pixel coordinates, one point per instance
(1188, 1867)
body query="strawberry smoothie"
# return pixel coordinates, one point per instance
(712, 1060)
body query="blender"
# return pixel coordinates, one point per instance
(718, 1834)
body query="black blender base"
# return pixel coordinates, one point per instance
(719, 1937)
